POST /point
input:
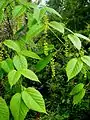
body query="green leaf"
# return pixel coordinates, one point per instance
(42, 63)
(52, 11)
(1, 15)
(30, 54)
(3, 3)
(82, 36)
(75, 40)
(18, 11)
(34, 31)
(20, 62)
(30, 20)
(24, 2)
(30, 5)
(57, 26)
(11, 44)
(42, 12)
(18, 107)
(13, 77)
(7, 65)
(36, 13)
(29, 74)
(33, 100)
(21, 43)
(78, 97)
(73, 67)
(4, 111)
(86, 59)
(77, 89)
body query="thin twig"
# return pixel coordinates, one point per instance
(56, 36)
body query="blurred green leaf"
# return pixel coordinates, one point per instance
(77, 89)
(34, 31)
(42, 63)
(78, 97)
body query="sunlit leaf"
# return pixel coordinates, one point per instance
(52, 11)
(82, 36)
(73, 67)
(57, 26)
(29, 74)
(7, 65)
(20, 62)
(18, 11)
(75, 40)
(36, 13)
(13, 77)
(86, 59)
(11, 44)
(33, 99)
(30, 54)
(18, 107)
(4, 111)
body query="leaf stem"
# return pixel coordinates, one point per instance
(56, 36)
